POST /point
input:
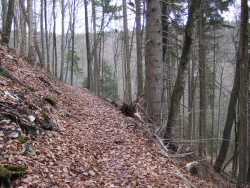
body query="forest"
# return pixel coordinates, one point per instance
(189, 59)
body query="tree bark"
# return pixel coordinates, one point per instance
(54, 39)
(139, 48)
(202, 78)
(126, 56)
(42, 35)
(46, 36)
(73, 42)
(96, 77)
(243, 96)
(4, 12)
(89, 64)
(154, 61)
(63, 42)
(8, 22)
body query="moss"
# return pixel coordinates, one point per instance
(31, 88)
(5, 173)
(2, 75)
(17, 170)
(45, 114)
(50, 100)
(21, 139)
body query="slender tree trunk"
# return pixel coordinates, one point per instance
(46, 35)
(42, 34)
(17, 29)
(63, 42)
(128, 96)
(54, 39)
(213, 97)
(95, 54)
(73, 42)
(139, 48)
(8, 22)
(202, 77)
(31, 52)
(182, 71)
(89, 63)
(23, 45)
(243, 96)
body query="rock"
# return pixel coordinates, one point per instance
(192, 167)
(31, 118)
(26, 148)
(13, 135)
(5, 121)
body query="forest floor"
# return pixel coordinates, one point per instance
(88, 142)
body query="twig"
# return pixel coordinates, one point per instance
(151, 121)
(164, 150)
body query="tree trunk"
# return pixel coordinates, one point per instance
(46, 35)
(202, 111)
(4, 12)
(73, 42)
(96, 78)
(63, 42)
(54, 39)
(243, 96)
(42, 35)
(139, 48)
(8, 22)
(182, 72)
(22, 47)
(126, 56)
(89, 64)
(154, 61)
(31, 51)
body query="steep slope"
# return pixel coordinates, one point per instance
(81, 141)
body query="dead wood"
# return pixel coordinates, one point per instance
(130, 109)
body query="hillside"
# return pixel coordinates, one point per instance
(80, 140)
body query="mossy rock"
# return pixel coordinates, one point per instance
(9, 173)
(5, 173)
(50, 100)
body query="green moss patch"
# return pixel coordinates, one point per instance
(50, 100)
(21, 139)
